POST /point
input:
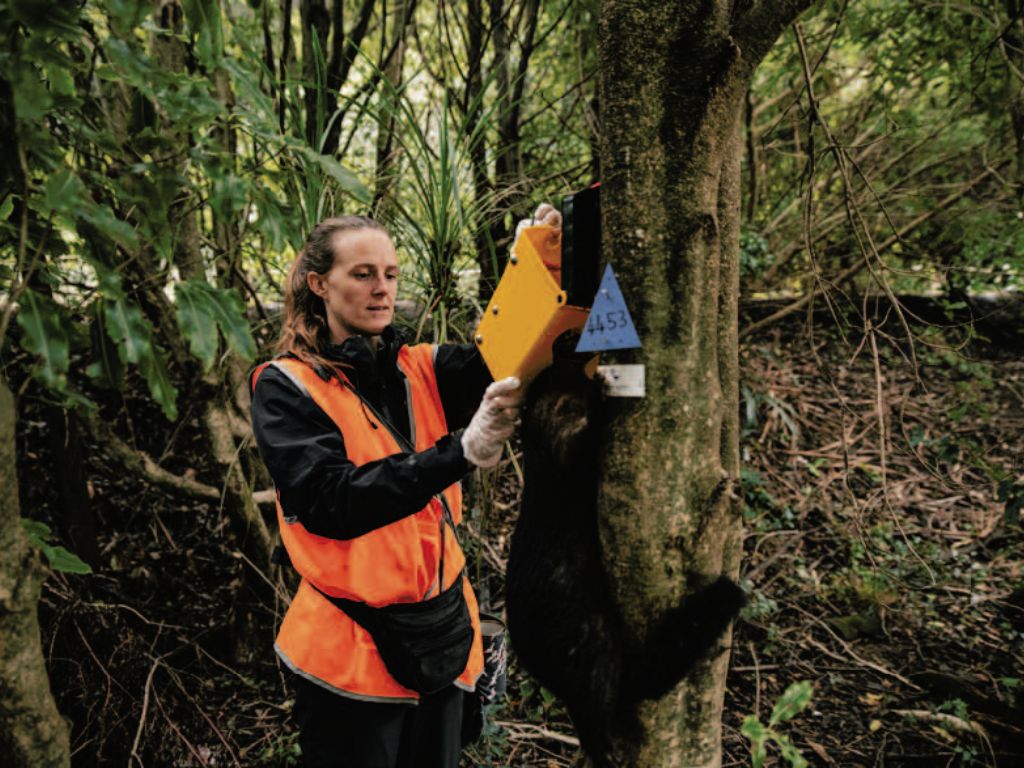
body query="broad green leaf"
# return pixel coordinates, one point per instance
(758, 734)
(59, 558)
(202, 310)
(62, 559)
(127, 326)
(106, 366)
(153, 189)
(103, 219)
(184, 98)
(60, 78)
(195, 322)
(129, 329)
(229, 195)
(758, 754)
(101, 254)
(64, 192)
(793, 700)
(204, 18)
(790, 753)
(346, 179)
(277, 224)
(197, 105)
(36, 530)
(126, 15)
(44, 336)
(130, 65)
(754, 729)
(154, 368)
(252, 100)
(6, 207)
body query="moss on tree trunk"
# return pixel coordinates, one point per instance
(32, 732)
(673, 81)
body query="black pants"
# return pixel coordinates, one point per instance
(338, 732)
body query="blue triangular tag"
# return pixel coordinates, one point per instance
(609, 325)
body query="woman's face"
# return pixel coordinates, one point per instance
(359, 290)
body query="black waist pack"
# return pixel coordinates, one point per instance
(424, 645)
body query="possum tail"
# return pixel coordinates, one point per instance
(685, 636)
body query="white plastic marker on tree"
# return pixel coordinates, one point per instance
(623, 380)
(609, 326)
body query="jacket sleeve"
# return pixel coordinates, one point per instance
(462, 377)
(317, 484)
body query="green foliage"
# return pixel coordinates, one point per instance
(45, 336)
(792, 702)
(759, 606)
(919, 122)
(204, 20)
(106, 367)
(134, 335)
(152, 157)
(991, 249)
(59, 558)
(493, 747)
(755, 255)
(283, 751)
(436, 216)
(1013, 689)
(202, 310)
(1011, 494)
(123, 152)
(760, 508)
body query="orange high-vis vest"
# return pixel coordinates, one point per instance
(397, 563)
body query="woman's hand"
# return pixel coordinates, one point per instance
(493, 423)
(546, 214)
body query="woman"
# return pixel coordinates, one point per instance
(362, 436)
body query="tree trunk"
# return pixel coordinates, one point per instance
(75, 518)
(489, 259)
(316, 24)
(673, 81)
(32, 732)
(344, 49)
(387, 152)
(250, 633)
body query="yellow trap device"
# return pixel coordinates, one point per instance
(528, 310)
(542, 291)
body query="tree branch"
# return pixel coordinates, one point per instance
(757, 27)
(850, 271)
(355, 39)
(141, 463)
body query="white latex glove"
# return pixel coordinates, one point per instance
(493, 423)
(545, 214)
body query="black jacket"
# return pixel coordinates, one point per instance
(305, 451)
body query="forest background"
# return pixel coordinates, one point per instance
(161, 164)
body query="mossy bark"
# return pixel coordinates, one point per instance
(673, 81)
(32, 732)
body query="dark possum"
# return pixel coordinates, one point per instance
(561, 622)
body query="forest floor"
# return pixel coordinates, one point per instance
(884, 560)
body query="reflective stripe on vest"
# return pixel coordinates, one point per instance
(392, 564)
